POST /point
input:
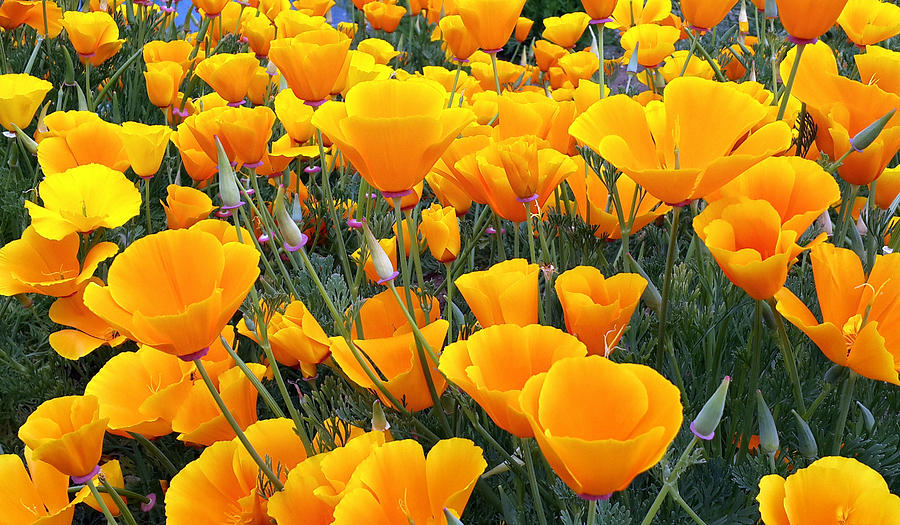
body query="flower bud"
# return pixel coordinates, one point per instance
(867, 136)
(704, 425)
(633, 61)
(379, 420)
(743, 21)
(26, 141)
(651, 294)
(771, 10)
(451, 519)
(383, 266)
(294, 239)
(82, 101)
(228, 186)
(296, 209)
(868, 418)
(768, 316)
(69, 77)
(768, 434)
(808, 446)
(834, 374)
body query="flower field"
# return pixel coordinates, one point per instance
(627, 262)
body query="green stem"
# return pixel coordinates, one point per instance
(846, 215)
(455, 84)
(115, 76)
(844, 410)
(532, 481)
(266, 469)
(687, 508)
(601, 52)
(449, 306)
(669, 483)
(592, 512)
(709, 59)
(790, 362)
(263, 391)
(123, 508)
(415, 248)
(100, 503)
(87, 85)
(123, 492)
(147, 204)
(818, 401)
(332, 210)
(690, 55)
(496, 73)
(753, 380)
(667, 286)
(155, 452)
(786, 96)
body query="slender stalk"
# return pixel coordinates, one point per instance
(147, 204)
(790, 362)
(332, 210)
(753, 380)
(123, 508)
(600, 54)
(690, 55)
(100, 503)
(123, 492)
(496, 73)
(790, 83)
(449, 306)
(263, 391)
(155, 452)
(818, 401)
(266, 469)
(532, 481)
(87, 85)
(687, 508)
(706, 56)
(669, 483)
(455, 84)
(592, 512)
(115, 76)
(846, 216)
(667, 286)
(846, 399)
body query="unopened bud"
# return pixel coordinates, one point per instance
(294, 239)
(633, 61)
(228, 186)
(834, 374)
(743, 21)
(296, 209)
(383, 266)
(379, 421)
(867, 136)
(704, 425)
(26, 141)
(651, 294)
(771, 10)
(768, 434)
(807, 442)
(69, 77)
(867, 416)
(768, 316)
(451, 519)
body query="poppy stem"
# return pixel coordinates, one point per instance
(449, 306)
(123, 507)
(455, 84)
(415, 248)
(263, 391)
(496, 74)
(667, 286)
(266, 469)
(706, 56)
(755, 335)
(786, 95)
(690, 55)
(592, 512)
(156, 452)
(87, 85)
(846, 398)
(669, 483)
(532, 481)
(846, 216)
(100, 503)
(600, 55)
(332, 210)
(147, 205)
(790, 362)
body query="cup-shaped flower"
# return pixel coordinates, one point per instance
(653, 42)
(384, 15)
(493, 365)
(66, 432)
(35, 264)
(14, 13)
(83, 199)
(597, 309)
(506, 293)
(703, 15)
(833, 490)
(259, 32)
(229, 74)
(888, 188)
(674, 155)
(185, 206)
(599, 448)
(311, 62)
(94, 35)
(868, 22)
(141, 391)
(881, 67)
(175, 290)
(391, 131)
(746, 238)
(38, 495)
(86, 331)
(566, 30)
(599, 9)
(294, 115)
(89, 140)
(460, 42)
(222, 485)
(20, 96)
(295, 336)
(523, 28)
(316, 486)
(210, 8)
(397, 483)
(859, 322)
(146, 146)
(491, 22)
(547, 54)
(629, 13)
(441, 229)
(163, 80)
(807, 20)
(178, 51)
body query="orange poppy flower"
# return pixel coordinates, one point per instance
(259, 32)
(178, 51)
(381, 50)
(566, 30)
(879, 66)
(210, 8)
(38, 495)
(493, 364)
(652, 41)
(397, 483)
(597, 309)
(89, 141)
(888, 188)
(831, 491)
(491, 22)
(858, 328)
(175, 290)
(146, 146)
(95, 35)
(703, 15)
(384, 336)
(599, 10)
(290, 23)
(448, 192)
(295, 336)
(87, 332)
(67, 432)
(523, 27)
(506, 293)
(868, 22)
(547, 54)
(441, 229)
(311, 62)
(674, 155)
(799, 189)
(229, 74)
(20, 97)
(185, 206)
(14, 13)
(384, 15)
(112, 471)
(163, 80)
(807, 20)
(314, 7)
(222, 485)
(576, 433)
(630, 13)
(460, 42)
(34, 264)
(392, 143)
(746, 238)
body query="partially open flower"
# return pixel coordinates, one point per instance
(86, 331)
(95, 35)
(39, 495)
(384, 15)
(506, 293)
(146, 146)
(229, 74)
(20, 96)
(311, 62)
(185, 206)
(868, 22)
(295, 336)
(491, 22)
(565, 30)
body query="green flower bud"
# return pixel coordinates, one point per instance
(26, 141)
(69, 78)
(228, 185)
(834, 374)
(294, 239)
(808, 446)
(768, 434)
(651, 294)
(868, 418)
(704, 425)
(771, 10)
(383, 266)
(379, 420)
(451, 519)
(867, 136)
